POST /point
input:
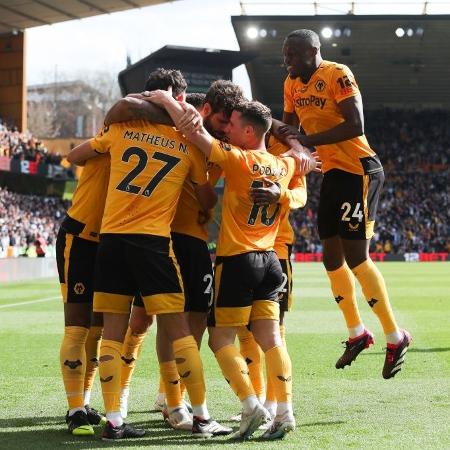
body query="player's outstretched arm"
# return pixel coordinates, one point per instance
(134, 107)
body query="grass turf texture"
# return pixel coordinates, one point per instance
(351, 408)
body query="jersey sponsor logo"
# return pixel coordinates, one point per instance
(312, 100)
(320, 85)
(270, 171)
(354, 227)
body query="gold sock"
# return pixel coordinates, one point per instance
(110, 370)
(92, 347)
(131, 349)
(72, 358)
(252, 354)
(375, 292)
(171, 383)
(343, 288)
(235, 371)
(190, 368)
(182, 389)
(283, 335)
(279, 371)
(162, 388)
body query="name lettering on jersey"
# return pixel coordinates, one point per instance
(159, 141)
(312, 100)
(269, 171)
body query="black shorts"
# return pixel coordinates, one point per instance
(246, 288)
(75, 259)
(130, 263)
(285, 298)
(196, 270)
(348, 204)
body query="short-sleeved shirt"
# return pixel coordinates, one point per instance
(84, 217)
(149, 165)
(247, 227)
(316, 106)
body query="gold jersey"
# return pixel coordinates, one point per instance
(292, 198)
(316, 106)
(188, 218)
(84, 217)
(149, 165)
(246, 227)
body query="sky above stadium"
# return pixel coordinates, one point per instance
(69, 49)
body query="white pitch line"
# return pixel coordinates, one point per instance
(10, 305)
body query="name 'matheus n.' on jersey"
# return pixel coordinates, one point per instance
(149, 164)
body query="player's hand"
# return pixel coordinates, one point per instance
(318, 167)
(305, 161)
(266, 195)
(158, 97)
(138, 95)
(289, 131)
(191, 120)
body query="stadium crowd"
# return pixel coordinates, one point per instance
(414, 210)
(29, 224)
(24, 146)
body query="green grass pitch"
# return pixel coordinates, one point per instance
(351, 408)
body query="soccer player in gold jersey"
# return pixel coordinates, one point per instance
(149, 163)
(323, 97)
(292, 198)
(189, 237)
(76, 249)
(247, 273)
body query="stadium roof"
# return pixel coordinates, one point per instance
(411, 70)
(16, 15)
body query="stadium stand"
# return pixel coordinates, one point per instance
(29, 224)
(23, 153)
(414, 213)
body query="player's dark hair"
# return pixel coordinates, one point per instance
(255, 114)
(195, 99)
(224, 95)
(309, 36)
(163, 78)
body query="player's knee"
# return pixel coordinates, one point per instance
(175, 325)
(266, 334)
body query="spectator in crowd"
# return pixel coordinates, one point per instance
(24, 147)
(29, 223)
(414, 208)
